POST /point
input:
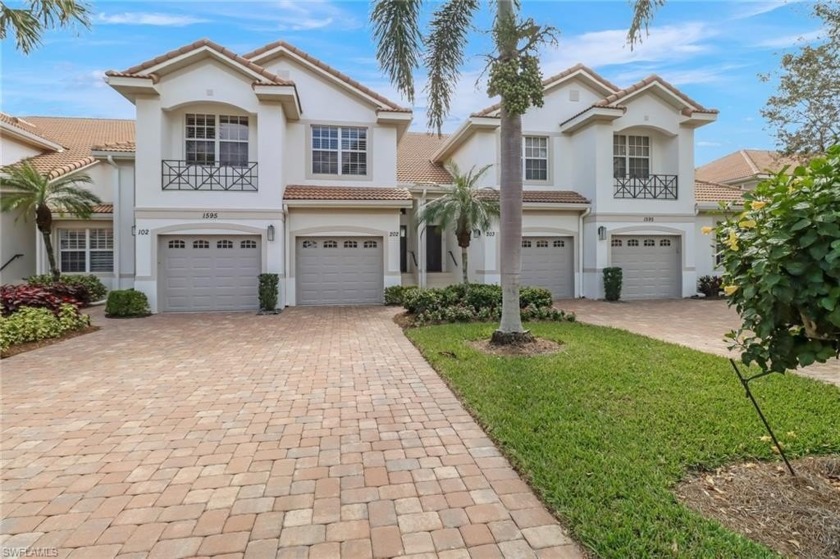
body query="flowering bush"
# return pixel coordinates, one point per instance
(94, 289)
(16, 296)
(31, 324)
(781, 266)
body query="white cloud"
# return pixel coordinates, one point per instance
(147, 18)
(704, 144)
(790, 41)
(288, 15)
(676, 76)
(746, 10)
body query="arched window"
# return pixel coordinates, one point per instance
(248, 244)
(559, 244)
(310, 244)
(665, 242)
(633, 242)
(650, 243)
(371, 244)
(201, 244)
(616, 242)
(542, 244)
(351, 244)
(177, 243)
(224, 243)
(526, 243)
(330, 244)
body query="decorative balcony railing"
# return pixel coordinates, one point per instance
(658, 187)
(182, 175)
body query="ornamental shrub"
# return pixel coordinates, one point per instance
(710, 286)
(613, 278)
(781, 262)
(96, 290)
(268, 292)
(15, 297)
(33, 324)
(126, 303)
(395, 294)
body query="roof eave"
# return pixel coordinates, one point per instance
(286, 95)
(348, 203)
(132, 87)
(578, 206)
(696, 119)
(115, 154)
(591, 116)
(462, 134)
(29, 137)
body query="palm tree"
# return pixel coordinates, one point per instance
(24, 189)
(30, 21)
(464, 208)
(514, 75)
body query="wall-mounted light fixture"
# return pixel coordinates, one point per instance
(133, 230)
(270, 233)
(602, 233)
(476, 233)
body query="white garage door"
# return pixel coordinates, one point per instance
(650, 264)
(549, 262)
(209, 272)
(339, 271)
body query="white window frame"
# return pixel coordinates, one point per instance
(526, 157)
(642, 150)
(341, 149)
(88, 249)
(217, 139)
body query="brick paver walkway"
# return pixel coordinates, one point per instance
(693, 323)
(315, 433)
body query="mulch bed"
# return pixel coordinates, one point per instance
(796, 516)
(23, 348)
(540, 346)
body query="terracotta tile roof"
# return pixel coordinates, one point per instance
(621, 94)
(713, 192)
(77, 135)
(25, 126)
(414, 159)
(387, 103)
(103, 209)
(743, 164)
(124, 147)
(303, 192)
(136, 71)
(551, 79)
(544, 196)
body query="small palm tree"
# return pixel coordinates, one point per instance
(464, 208)
(24, 189)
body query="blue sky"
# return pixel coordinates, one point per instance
(713, 51)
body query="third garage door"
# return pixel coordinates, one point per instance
(339, 271)
(549, 262)
(650, 265)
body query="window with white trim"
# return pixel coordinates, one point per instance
(86, 250)
(631, 156)
(339, 150)
(216, 138)
(535, 158)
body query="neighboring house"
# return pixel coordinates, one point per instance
(58, 147)
(276, 162)
(744, 168)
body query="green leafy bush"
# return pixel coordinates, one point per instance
(710, 286)
(96, 290)
(29, 324)
(613, 278)
(126, 303)
(781, 262)
(268, 291)
(395, 294)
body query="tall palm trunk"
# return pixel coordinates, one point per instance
(510, 328)
(465, 264)
(43, 220)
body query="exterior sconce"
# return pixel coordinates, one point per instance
(270, 233)
(602, 233)
(476, 233)
(133, 230)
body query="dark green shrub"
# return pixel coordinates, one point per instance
(125, 303)
(710, 286)
(268, 292)
(395, 294)
(612, 283)
(96, 290)
(422, 300)
(535, 297)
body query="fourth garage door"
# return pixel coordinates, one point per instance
(650, 265)
(549, 262)
(339, 271)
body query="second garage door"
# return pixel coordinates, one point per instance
(650, 265)
(339, 271)
(549, 262)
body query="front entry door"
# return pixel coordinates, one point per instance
(403, 249)
(434, 251)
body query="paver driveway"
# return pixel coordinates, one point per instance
(315, 433)
(690, 322)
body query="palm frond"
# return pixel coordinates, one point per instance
(643, 11)
(24, 188)
(398, 40)
(446, 44)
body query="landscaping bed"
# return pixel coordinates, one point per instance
(29, 346)
(607, 429)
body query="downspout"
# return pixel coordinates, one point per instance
(117, 222)
(421, 247)
(286, 257)
(580, 250)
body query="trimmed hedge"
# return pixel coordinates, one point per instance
(127, 303)
(613, 279)
(395, 295)
(30, 324)
(95, 290)
(268, 292)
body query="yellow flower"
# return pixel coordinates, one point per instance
(747, 224)
(730, 289)
(707, 230)
(757, 204)
(732, 241)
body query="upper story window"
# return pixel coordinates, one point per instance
(631, 156)
(535, 158)
(339, 150)
(212, 139)
(86, 250)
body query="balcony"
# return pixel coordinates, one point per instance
(183, 175)
(651, 187)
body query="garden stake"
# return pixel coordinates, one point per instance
(745, 382)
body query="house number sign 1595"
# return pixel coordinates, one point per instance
(647, 219)
(210, 215)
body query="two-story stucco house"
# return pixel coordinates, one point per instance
(273, 161)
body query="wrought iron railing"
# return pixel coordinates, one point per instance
(659, 187)
(182, 175)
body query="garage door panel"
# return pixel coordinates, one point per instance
(549, 262)
(209, 272)
(651, 266)
(339, 270)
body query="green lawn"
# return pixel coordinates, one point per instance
(604, 429)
